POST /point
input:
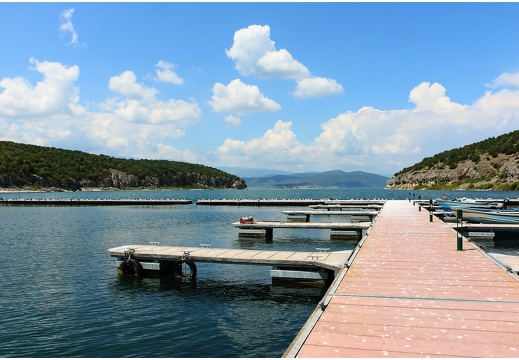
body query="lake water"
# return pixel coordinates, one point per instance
(60, 294)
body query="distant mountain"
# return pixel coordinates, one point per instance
(250, 172)
(327, 179)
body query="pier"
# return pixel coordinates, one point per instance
(308, 213)
(160, 260)
(269, 226)
(409, 292)
(339, 207)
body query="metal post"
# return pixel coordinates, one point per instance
(459, 219)
(430, 211)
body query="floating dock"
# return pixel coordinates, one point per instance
(410, 292)
(160, 260)
(466, 227)
(260, 202)
(94, 202)
(269, 226)
(356, 202)
(293, 202)
(307, 213)
(339, 207)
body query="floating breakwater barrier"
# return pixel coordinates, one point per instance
(91, 202)
(293, 202)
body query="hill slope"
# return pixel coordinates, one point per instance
(328, 179)
(488, 164)
(37, 167)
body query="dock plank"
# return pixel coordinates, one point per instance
(232, 253)
(337, 256)
(282, 255)
(266, 254)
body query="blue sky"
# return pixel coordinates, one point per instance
(289, 86)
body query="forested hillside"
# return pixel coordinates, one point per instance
(488, 164)
(38, 167)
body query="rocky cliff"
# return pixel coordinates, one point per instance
(497, 171)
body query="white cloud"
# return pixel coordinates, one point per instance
(278, 145)
(141, 104)
(499, 101)
(111, 134)
(136, 123)
(240, 98)
(382, 141)
(126, 84)
(67, 27)
(429, 97)
(255, 54)
(233, 120)
(315, 87)
(281, 64)
(55, 94)
(505, 80)
(165, 74)
(45, 113)
(140, 124)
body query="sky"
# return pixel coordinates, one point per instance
(295, 87)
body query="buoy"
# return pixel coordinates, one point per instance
(184, 268)
(130, 267)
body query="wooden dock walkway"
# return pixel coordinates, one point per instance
(152, 253)
(410, 293)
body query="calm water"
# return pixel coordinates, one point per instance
(60, 295)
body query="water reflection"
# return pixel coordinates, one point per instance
(286, 293)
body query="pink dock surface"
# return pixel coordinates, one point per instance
(410, 293)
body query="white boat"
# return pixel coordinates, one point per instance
(490, 216)
(453, 205)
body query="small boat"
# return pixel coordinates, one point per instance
(453, 205)
(247, 220)
(496, 219)
(490, 216)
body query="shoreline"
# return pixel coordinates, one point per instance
(23, 190)
(96, 189)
